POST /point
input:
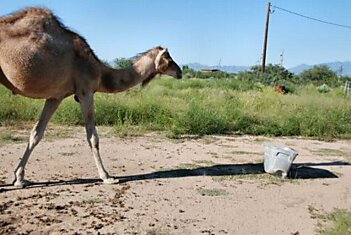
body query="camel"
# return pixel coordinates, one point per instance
(42, 59)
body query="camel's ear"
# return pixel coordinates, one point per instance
(161, 63)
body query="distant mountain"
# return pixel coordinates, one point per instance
(341, 68)
(197, 66)
(225, 68)
(335, 66)
(300, 68)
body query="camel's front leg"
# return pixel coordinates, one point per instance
(35, 136)
(87, 106)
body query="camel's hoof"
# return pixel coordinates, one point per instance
(111, 181)
(22, 183)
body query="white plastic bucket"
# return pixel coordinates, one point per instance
(278, 160)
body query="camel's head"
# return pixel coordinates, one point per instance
(164, 64)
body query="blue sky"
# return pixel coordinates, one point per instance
(207, 31)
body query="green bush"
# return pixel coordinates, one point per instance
(201, 119)
(17, 108)
(203, 106)
(68, 113)
(319, 75)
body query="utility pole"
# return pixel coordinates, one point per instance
(265, 38)
(282, 59)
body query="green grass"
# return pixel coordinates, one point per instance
(201, 107)
(211, 192)
(264, 178)
(334, 152)
(92, 201)
(339, 223)
(244, 153)
(6, 137)
(191, 165)
(331, 152)
(157, 231)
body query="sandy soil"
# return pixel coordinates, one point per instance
(212, 185)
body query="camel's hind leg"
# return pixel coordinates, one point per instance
(35, 136)
(7, 84)
(87, 106)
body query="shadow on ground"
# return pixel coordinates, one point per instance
(298, 171)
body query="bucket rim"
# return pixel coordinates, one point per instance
(279, 148)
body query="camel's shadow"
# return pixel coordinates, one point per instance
(298, 171)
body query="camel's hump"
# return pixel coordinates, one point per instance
(29, 11)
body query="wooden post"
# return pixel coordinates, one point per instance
(265, 38)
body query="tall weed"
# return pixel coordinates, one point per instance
(201, 107)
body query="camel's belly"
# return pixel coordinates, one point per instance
(37, 74)
(36, 82)
(39, 89)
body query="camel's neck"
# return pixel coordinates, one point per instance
(117, 80)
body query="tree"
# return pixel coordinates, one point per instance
(121, 63)
(188, 72)
(318, 75)
(273, 75)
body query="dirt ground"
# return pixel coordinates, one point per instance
(212, 185)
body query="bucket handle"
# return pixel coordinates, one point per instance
(286, 154)
(279, 153)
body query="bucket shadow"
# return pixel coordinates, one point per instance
(298, 171)
(309, 170)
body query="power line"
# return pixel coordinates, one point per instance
(311, 18)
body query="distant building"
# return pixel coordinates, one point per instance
(207, 70)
